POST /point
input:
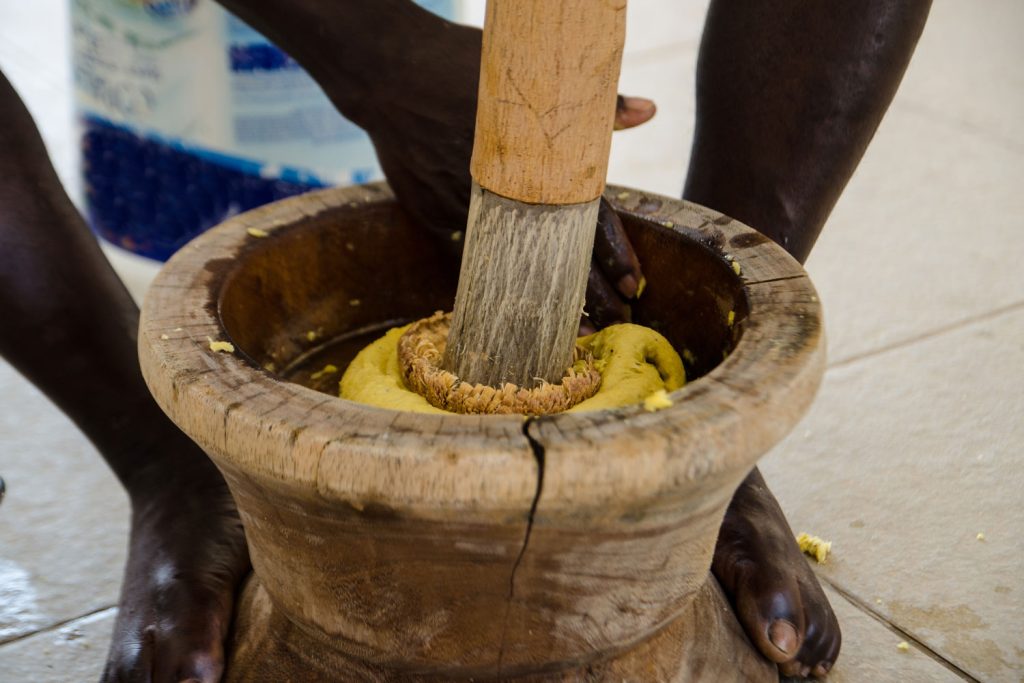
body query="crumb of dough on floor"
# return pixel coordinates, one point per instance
(818, 548)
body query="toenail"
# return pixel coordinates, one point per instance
(783, 635)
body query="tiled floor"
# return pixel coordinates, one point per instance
(908, 454)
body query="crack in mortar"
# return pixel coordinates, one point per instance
(538, 454)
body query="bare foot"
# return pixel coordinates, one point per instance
(186, 558)
(775, 593)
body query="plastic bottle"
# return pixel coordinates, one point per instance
(190, 116)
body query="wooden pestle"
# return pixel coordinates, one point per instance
(548, 78)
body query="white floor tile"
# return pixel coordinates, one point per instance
(928, 233)
(871, 653)
(64, 521)
(966, 70)
(73, 652)
(654, 27)
(903, 460)
(653, 156)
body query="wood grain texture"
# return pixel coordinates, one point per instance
(521, 291)
(703, 643)
(650, 489)
(548, 79)
(446, 547)
(393, 544)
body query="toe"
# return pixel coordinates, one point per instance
(823, 667)
(790, 668)
(773, 617)
(131, 659)
(784, 636)
(822, 637)
(190, 653)
(202, 667)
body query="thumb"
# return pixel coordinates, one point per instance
(632, 111)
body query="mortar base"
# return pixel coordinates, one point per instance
(705, 643)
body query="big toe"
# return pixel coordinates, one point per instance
(773, 619)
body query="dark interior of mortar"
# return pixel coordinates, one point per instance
(316, 292)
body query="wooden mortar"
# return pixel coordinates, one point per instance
(390, 546)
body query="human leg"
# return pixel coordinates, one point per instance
(789, 95)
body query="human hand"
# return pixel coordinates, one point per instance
(425, 155)
(429, 190)
(410, 79)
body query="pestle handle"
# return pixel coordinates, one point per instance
(546, 108)
(548, 78)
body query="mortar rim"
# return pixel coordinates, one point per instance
(495, 466)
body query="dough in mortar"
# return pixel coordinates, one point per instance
(634, 362)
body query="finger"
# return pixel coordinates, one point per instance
(586, 327)
(632, 111)
(614, 253)
(604, 305)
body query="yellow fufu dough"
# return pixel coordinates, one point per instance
(635, 362)
(818, 548)
(374, 377)
(329, 369)
(659, 400)
(221, 346)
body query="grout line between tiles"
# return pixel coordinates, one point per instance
(935, 332)
(903, 633)
(56, 625)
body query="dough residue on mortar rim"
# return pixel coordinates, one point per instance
(221, 346)
(634, 362)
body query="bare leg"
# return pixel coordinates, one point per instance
(789, 94)
(70, 327)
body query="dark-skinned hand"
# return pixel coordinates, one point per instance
(428, 169)
(417, 100)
